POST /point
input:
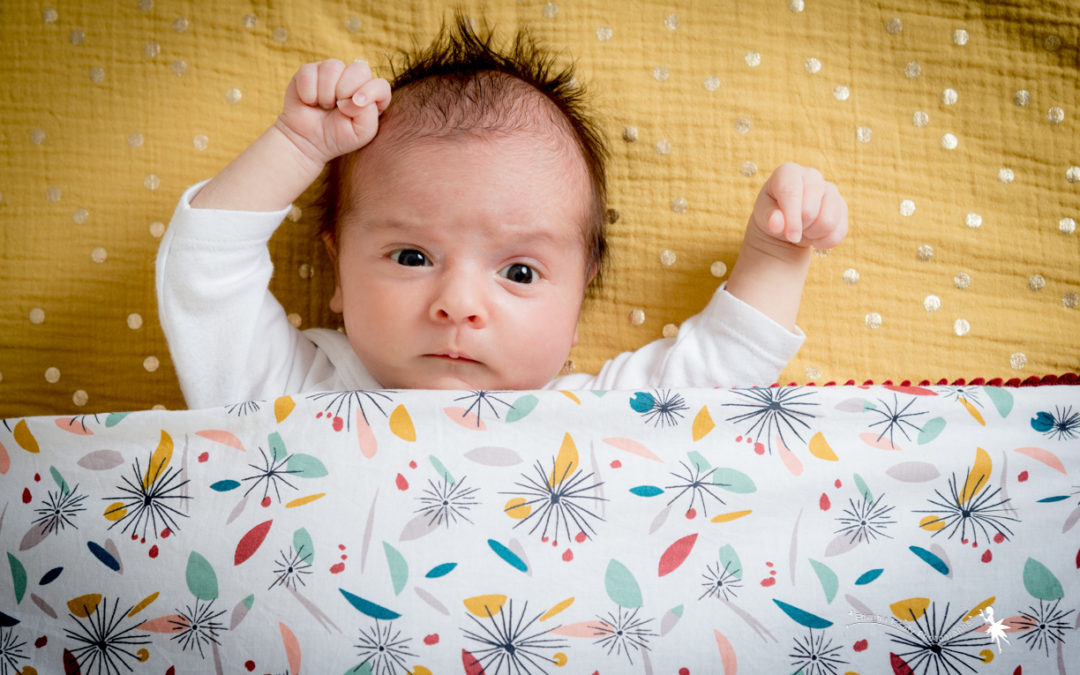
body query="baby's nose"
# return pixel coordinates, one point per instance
(460, 300)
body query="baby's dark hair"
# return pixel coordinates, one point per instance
(462, 83)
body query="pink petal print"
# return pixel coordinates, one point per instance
(251, 542)
(240, 611)
(369, 527)
(791, 462)
(73, 426)
(34, 536)
(913, 472)
(292, 648)
(856, 405)
(585, 629)
(45, 607)
(1045, 456)
(841, 543)
(420, 526)
(659, 520)
(431, 601)
(727, 653)
(223, 437)
(237, 510)
(676, 554)
(1071, 520)
(914, 391)
(101, 460)
(633, 447)
(881, 443)
(492, 456)
(170, 623)
(364, 435)
(465, 418)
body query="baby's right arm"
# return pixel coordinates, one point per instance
(330, 109)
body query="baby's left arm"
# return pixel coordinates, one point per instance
(796, 209)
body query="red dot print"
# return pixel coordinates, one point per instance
(580, 537)
(203, 457)
(412, 464)
(41, 641)
(318, 416)
(860, 646)
(544, 539)
(837, 483)
(337, 568)
(143, 540)
(999, 537)
(1023, 476)
(250, 665)
(265, 501)
(691, 514)
(134, 537)
(165, 533)
(759, 448)
(432, 639)
(768, 564)
(338, 423)
(402, 484)
(772, 572)
(738, 439)
(341, 547)
(568, 555)
(684, 671)
(616, 464)
(749, 440)
(974, 544)
(768, 581)
(824, 502)
(153, 551)
(344, 556)
(26, 496)
(964, 541)
(37, 477)
(987, 556)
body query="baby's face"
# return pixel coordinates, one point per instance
(461, 261)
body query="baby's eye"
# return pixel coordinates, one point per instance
(410, 257)
(519, 273)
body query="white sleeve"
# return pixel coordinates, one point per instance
(229, 338)
(729, 344)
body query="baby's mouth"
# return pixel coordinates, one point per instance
(452, 356)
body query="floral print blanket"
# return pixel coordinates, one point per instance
(820, 530)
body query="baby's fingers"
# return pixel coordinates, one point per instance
(786, 191)
(330, 73)
(831, 225)
(375, 91)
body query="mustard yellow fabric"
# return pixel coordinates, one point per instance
(951, 128)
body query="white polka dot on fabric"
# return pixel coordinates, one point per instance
(52, 374)
(151, 363)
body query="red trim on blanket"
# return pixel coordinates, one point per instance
(1033, 381)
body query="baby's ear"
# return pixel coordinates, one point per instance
(330, 241)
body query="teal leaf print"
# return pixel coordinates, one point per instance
(931, 430)
(729, 560)
(508, 556)
(18, 577)
(441, 470)
(277, 447)
(399, 569)
(362, 669)
(201, 579)
(115, 418)
(104, 556)
(621, 586)
(521, 407)
(304, 546)
(642, 402)
(802, 617)
(733, 481)
(698, 461)
(441, 570)
(305, 466)
(930, 559)
(1051, 500)
(1040, 582)
(1001, 399)
(1042, 422)
(369, 608)
(829, 581)
(646, 491)
(868, 576)
(60, 482)
(863, 489)
(224, 485)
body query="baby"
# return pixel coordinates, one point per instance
(465, 221)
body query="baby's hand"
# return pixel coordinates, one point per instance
(799, 206)
(332, 109)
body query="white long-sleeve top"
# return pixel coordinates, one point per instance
(230, 339)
